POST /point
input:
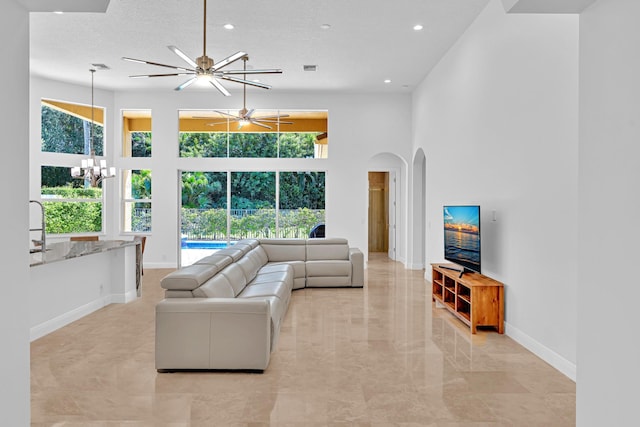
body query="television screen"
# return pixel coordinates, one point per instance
(462, 236)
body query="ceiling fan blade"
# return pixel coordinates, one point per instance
(228, 60)
(217, 123)
(274, 121)
(183, 55)
(140, 61)
(246, 82)
(141, 76)
(257, 123)
(187, 83)
(227, 114)
(218, 86)
(275, 117)
(249, 113)
(265, 71)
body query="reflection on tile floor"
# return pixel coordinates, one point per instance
(378, 356)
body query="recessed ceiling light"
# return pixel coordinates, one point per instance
(228, 26)
(325, 26)
(387, 81)
(418, 27)
(58, 12)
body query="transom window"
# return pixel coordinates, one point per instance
(271, 134)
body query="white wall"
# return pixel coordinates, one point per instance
(608, 349)
(356, 134)
(497, 120)
(14, 162)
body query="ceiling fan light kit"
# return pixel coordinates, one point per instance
(204, 67)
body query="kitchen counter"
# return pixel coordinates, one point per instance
(74, 278)
(61, 251)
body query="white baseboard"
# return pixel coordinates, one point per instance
(415, 266)
(58, 322)
(563, 365)
(123, 298)
(49, 326)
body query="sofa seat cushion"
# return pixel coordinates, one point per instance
(216, 287)
(190, 277)
(328, 274)
(278, 289)
(299, 271)
(275, 276)
(328, 268)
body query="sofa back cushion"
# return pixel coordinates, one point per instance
(233, 252)
(279, 250)
(259, 255)
(251, 242)
(236, 277)
(327, 249)
(249, 266)
(216, 287)
(220, 261)
(190, 277)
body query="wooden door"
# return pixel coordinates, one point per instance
(378, 211)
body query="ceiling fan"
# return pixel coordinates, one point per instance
(204, 67)
(246, 117)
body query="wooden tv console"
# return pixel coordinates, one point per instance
(475, 299)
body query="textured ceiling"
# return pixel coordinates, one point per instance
(368, 41)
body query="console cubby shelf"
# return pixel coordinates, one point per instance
(475, 299)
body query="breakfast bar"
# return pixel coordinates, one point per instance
(74, 278)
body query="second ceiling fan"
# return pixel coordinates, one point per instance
(205, 68)
(246, 117)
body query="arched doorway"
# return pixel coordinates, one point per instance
(387, 209)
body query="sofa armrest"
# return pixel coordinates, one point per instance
(213, 333)
(357, 264)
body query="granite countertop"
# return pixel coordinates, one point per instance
(65, 250)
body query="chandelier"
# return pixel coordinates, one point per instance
(91, 170)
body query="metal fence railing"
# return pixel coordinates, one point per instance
(211, 224)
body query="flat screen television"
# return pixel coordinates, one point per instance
(462, 236)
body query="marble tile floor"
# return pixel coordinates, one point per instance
(382, 355)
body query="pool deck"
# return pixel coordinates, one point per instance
(189, 256)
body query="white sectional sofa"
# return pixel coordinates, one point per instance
(224, 312)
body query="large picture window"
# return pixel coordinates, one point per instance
(72, 206)
(219, 208)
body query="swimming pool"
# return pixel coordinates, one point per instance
(202, 244)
